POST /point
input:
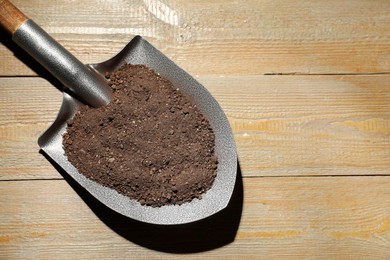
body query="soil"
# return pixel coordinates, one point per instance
(149, 143)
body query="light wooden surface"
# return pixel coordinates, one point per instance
(306, 88)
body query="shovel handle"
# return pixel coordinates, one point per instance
(10, 16)
(82, 81)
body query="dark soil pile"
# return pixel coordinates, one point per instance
(149, 143)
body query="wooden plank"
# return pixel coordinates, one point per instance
(220, 37)
(283, 125)
(300, 125)
(282, 218)
(28, 106)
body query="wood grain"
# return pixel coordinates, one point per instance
(28, 106)
(221, 37)
(283, 125)
(282, 218)
(305, 86)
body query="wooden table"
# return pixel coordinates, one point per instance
(306, 88)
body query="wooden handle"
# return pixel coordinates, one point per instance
(10, 16)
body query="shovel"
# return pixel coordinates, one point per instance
(86, 84)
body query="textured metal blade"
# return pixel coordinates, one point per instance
(139, 51)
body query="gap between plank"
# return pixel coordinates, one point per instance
(244, 177)
(325, 74)
(264, 74)
(39, 179)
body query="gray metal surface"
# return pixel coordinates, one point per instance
(82, 81)
(139, 51)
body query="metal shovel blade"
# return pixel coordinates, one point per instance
(139, 51)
